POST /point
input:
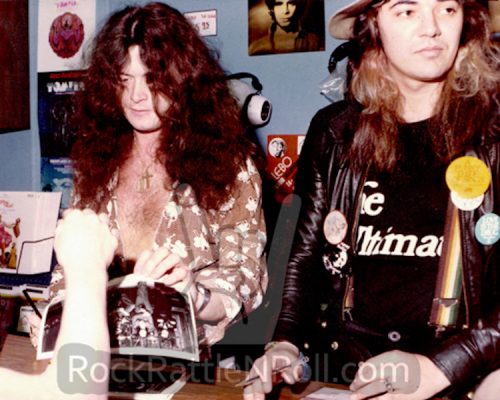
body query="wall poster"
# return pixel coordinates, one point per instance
(64, 29)
(282, 155)
(285, 26)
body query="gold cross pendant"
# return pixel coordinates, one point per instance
(144, 183)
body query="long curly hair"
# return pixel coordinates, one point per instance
(203, 141)
(467, 110)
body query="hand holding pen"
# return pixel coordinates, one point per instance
(300, 361)
(281, 361)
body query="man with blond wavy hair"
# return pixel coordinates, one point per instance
(413, 298)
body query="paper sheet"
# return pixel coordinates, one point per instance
(326, 393)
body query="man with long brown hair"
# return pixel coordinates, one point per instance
(162, 151)
(412, 152)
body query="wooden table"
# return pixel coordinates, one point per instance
(18, 354)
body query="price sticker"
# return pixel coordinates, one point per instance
(205, 22)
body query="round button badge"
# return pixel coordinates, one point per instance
(335, 227)
(394, 336)
(468, 176)
(466, 204)
(488, 229)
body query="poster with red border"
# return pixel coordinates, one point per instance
(282, 155)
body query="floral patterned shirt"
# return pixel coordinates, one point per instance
(224, 248)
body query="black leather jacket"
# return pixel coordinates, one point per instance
(473, 352)
(324, 182)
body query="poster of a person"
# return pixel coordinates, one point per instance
(285, 26)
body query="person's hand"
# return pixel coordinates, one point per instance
(396, 375)
(34, 322)
(489, 387)
(166, 267)
(278, 356)
(83, 243)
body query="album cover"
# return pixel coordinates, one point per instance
(57, 176)
(27, 226)
(64, 29)
(57, 131)
(282, 155)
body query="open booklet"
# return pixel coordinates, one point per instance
(142, 384)
(145, 318)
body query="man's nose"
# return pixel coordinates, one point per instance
(139, 90)
(429, 24)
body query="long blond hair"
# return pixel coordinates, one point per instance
(466, 111)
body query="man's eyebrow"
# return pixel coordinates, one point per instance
(413, 2)
(397, 3)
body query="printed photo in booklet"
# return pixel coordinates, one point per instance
(145, 317)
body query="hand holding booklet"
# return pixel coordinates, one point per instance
(145, 318)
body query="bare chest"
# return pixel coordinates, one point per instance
(139, 214)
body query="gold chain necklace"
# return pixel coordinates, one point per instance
(143, 183)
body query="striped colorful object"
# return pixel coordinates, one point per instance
(446, 301)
